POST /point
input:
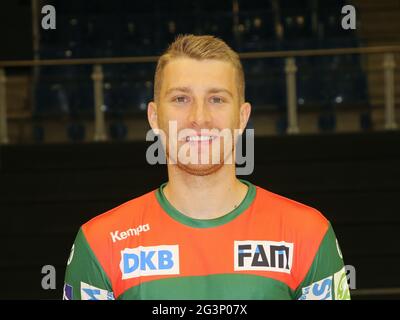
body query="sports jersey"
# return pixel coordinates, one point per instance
(269, 247)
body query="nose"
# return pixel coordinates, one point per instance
(199, 115)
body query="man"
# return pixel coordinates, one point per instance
(204, 234)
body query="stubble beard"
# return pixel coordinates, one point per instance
(203, 169)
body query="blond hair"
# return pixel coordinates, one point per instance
(199, 48)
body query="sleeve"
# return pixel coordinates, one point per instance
(326, 278)
(85, 279)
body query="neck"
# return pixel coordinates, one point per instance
(204, 197)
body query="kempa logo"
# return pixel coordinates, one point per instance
(118, 236)
(263, 256)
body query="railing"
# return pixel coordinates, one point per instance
(388, 293)
(387, 52)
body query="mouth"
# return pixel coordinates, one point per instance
(200, 138)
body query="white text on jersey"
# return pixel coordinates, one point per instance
(118, 236)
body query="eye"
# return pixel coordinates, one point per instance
(181, 99)
(217, 100)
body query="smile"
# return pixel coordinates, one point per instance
(199, 138)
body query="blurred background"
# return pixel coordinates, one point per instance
(73, 120)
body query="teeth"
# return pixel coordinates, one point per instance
(199, 138)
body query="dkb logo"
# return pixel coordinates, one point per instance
(149, 261)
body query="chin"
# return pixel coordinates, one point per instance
(200, 169)
(205, 169)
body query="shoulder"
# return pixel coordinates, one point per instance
(126, 215)
(295, 223)
(295, 216)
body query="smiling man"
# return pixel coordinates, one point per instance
(205, 234)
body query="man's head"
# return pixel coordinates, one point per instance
(200, 48)
(199, 85)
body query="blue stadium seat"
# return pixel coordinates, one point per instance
(76, 132)
(118, 131)
(327, 122)
(366, 121)
(38, 133)
(281, 125)
(93, 28)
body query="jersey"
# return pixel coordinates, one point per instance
(268, 247)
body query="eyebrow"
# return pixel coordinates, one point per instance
(182, 89)
(217, 90)
(188, 90)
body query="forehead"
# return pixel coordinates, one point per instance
(198, 73)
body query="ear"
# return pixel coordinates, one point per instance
(152, 115)
(245, 110)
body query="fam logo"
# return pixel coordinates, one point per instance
(89, 292)
(333, 286)
(263, 256)
(149, 261)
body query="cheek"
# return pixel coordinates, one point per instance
(230, 120)
(164, 116)
(171, 122)
(172, 113)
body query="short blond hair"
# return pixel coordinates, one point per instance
(199, 48)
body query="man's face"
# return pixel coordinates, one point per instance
(202, 99)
